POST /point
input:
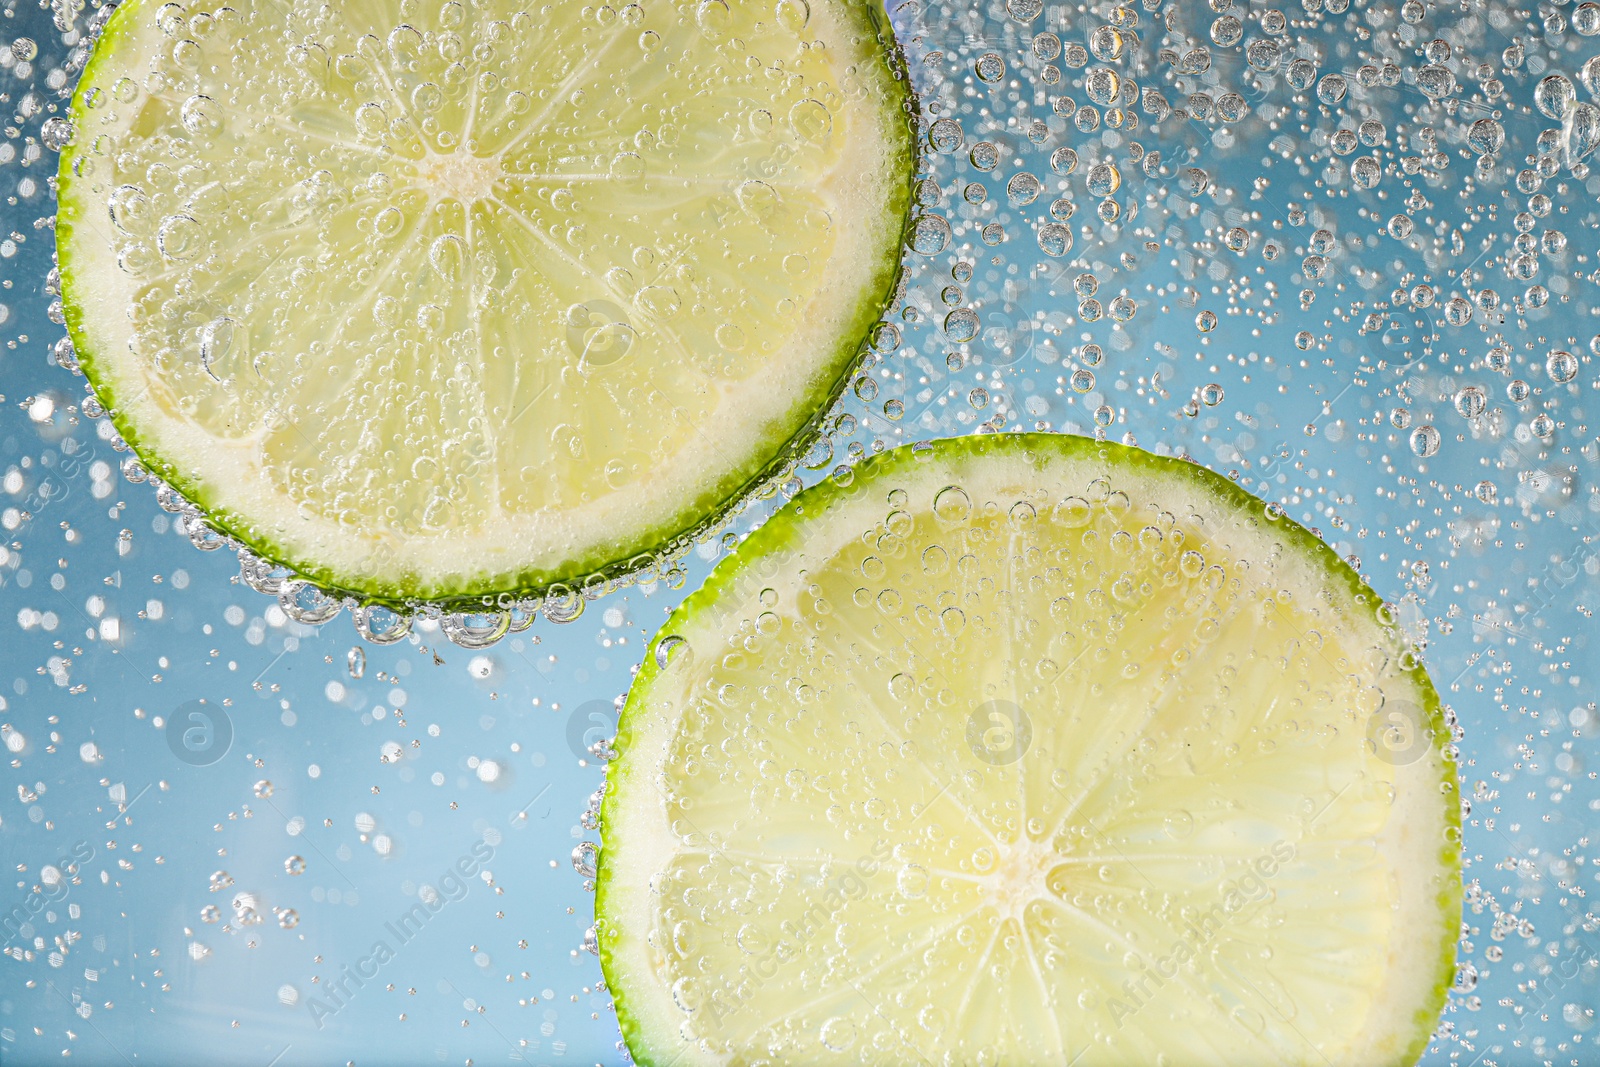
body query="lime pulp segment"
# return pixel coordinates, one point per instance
(1025, 749)
(437, 299)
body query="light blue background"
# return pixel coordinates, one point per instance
(130, 972)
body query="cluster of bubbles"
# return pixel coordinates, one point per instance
(1099, 136)
(305, 602)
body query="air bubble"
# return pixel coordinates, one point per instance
(930, 235)
(1425, 440)
(200, 115)
(1554, 96)
(961, 325)
(1486, 137)
(793, 15)
(945, 135)
(990, 67)
(1104, 179)
(56, 133)
(1470, 401)
(1561, 366)
(1023, 189)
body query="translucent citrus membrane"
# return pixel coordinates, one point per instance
(452, 296)
(1011, 758)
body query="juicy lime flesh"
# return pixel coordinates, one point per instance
(437, 298)
(1031, 750)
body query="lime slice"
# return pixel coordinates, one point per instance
(437, 300)
(1027, 749)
